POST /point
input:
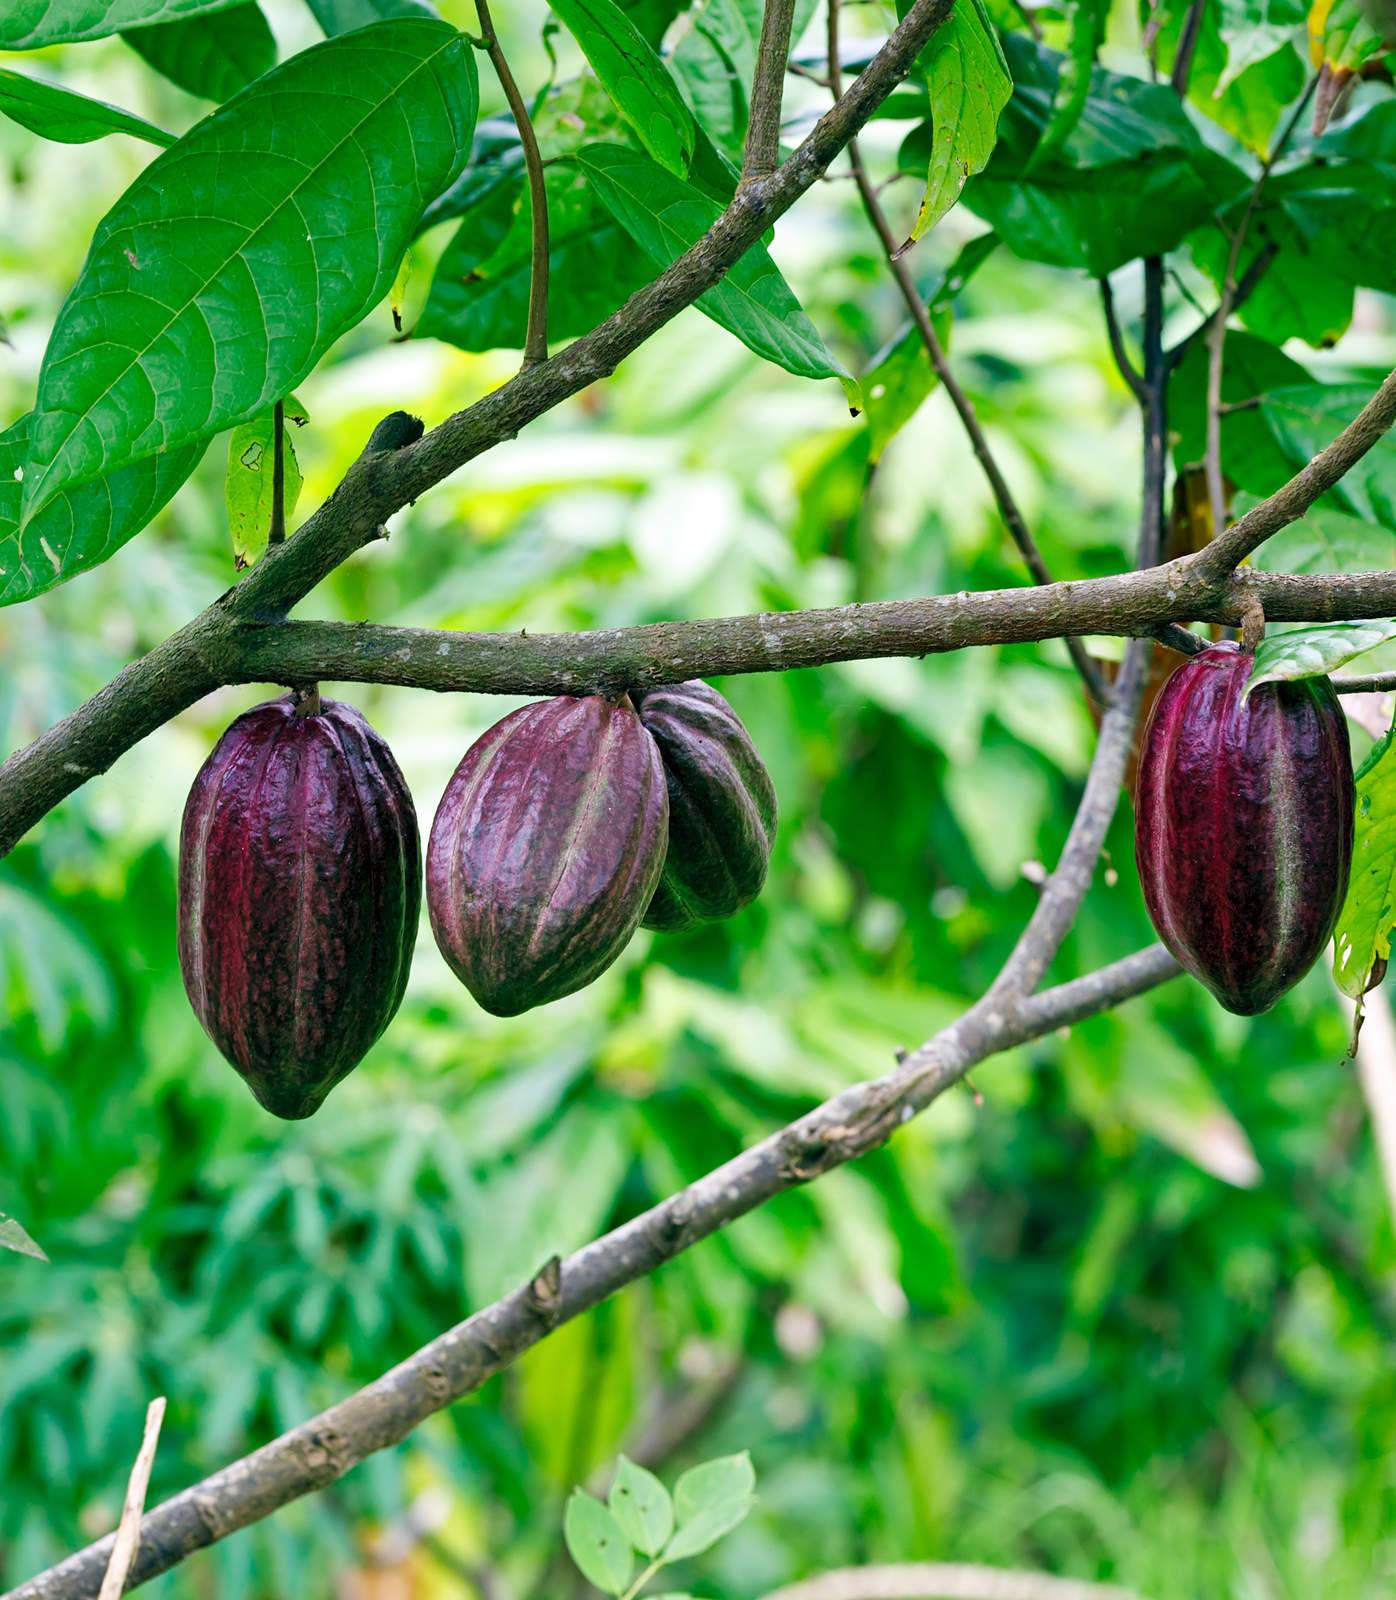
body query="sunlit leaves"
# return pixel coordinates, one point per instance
(242, 253)
(969, 86)
(66, 116)
(79, 527)
(664, 216)
(28, 24)
(1362, 942)
(1308, 652)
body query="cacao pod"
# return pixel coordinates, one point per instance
(722, 806)
(1243, 832)
(300, 886)
(546, 849)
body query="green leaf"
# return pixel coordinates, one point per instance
(13, 1237)
(1304, 419)
(344, 16)
(242, 253)
(31, 24)
(1253, 369)
(1309, 652)
(213, 56)
(1253, 30)
(1088, 19)
(969, 86)
(248, 488)
(665, 216)
(1368, 918)
(709, 1501)
(895, 385)
(80, 527)
(635, 78)
(641, 1506)
(596, 1543)
(67, 117)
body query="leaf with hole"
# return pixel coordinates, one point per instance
(80, 527)
(1310, 652)
(243, 252)
(641, 1505)
(596, 1543)
(67, 117)
(249, 484)
(664, 216)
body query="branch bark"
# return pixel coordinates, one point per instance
(858, 1120)
(761, 154)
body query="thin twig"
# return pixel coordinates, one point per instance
(1155, 407)
(535, 350)
(1187, 46)
(1374, 683)
(761, 154)
(1013, 517)
(126, 1544)
(858, 1119)
(1127, 369)
(277, 532)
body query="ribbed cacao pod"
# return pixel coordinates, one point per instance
(546, 849)
(722, 806)
(1243, 832)
(300, 886)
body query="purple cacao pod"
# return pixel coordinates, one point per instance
(300, 886)
(1243, 829)
(722, 806)
(545, 850)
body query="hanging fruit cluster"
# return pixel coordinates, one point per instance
(565, 826)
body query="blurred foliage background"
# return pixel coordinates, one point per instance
(1131, 1317)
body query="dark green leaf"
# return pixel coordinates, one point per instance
(596, 1543)
(665, 216)
(30, 24)
(66, 116)
(81, 526)
(344, 16)
(635, 78)
(213, 56)
(1088, 19)
(1368, 918)
(316, 176)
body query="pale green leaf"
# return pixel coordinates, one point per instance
(709, 1501)
(596, 1543)
(67, 117)
(243, 252)
(80, 527)
(1368, 918)
(248, 488)
(641, 1505)
(664, 216)
(31, 24)
(635, 78)
(1309, 652)
(14, 1237)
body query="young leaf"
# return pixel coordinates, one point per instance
(969, 86)
(664, 216)
(213, 56)
(596, 1543)
(31, 24)
(244, 251)
(249, 483)
(1307, 652)
(13, 1237)
(67, 117)
(635, 78)
(80, 527)
(641, 1505)
(1362, 940)
(709, 1501)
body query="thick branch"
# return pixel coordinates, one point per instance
(858, 1120)
(536, 337)
(762, 151)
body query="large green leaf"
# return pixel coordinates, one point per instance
(30, 24)
(967, 78)
(241, 254)
(212, 56)
(665, 216)
(79, 527)
(635, 78)
(1088, 19)
(1312, 652)
(66, 116)
(344, 16)
(1368, 918)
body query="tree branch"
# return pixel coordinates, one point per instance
(535, 348)
(938, 1580)
(858, 1120)
(762, 150)
(1126, 367)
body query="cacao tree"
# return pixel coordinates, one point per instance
(294, 189)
